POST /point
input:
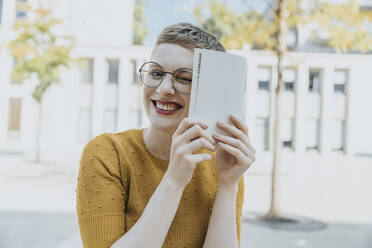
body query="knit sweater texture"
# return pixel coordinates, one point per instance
(117, 177)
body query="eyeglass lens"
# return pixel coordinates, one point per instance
(152, 75)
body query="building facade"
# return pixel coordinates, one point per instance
(74, 109)
(326, 121)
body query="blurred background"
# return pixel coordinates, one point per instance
(69, 72)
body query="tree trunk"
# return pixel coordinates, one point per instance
(274, 212)
(38, 133)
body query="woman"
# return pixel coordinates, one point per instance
(170, 184)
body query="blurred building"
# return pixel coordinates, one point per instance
(88, 100)
(326, 121)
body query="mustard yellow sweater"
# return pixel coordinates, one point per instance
(117, 177)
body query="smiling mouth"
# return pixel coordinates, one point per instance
(170, 107)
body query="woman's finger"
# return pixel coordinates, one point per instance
(195, 132)
(200, 143)
(235, 143)
(237, 133)
(186, 123)
(238, 154)
(240, 124)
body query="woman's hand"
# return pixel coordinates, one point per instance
(189, 137)
(234, 155)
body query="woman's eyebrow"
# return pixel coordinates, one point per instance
(172, 67)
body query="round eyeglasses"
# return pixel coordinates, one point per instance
(152, 74)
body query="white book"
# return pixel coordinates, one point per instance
(218, 88)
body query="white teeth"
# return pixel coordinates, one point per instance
(167, 107)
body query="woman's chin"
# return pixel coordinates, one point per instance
(168, 126)
(165, 126)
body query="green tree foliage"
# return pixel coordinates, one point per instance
(346, 24)
(139, 23)
(39, 51)
(234, 30)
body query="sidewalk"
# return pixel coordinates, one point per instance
(59, 230)
(27, 186)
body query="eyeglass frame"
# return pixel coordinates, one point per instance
(165, 72)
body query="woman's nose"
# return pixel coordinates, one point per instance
(166, 86)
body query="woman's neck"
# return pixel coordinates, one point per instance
(158, 142)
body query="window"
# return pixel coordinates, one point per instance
(113, 70)
(287, 132)
(312, 134)
(289, 78)
(338, 135)
(340, 78)
(110, 120)
(20, 9)
(85, 124)
(314, 81)
(264, 78)
(263, 85)
(262, 133)
(87, 70)
(339, 88)
(14, 121)
(288, 86)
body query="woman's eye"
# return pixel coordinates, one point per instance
(156, 74)
(183, 80)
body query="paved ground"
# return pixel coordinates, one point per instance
(336, 235)
(59, 230)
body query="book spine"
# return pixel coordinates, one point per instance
(197, 82)
(199, 64)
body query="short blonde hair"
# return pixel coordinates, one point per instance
(189, 36)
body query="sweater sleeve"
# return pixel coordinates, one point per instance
(101, 194)
(239, 206)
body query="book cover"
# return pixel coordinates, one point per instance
(218, 88)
